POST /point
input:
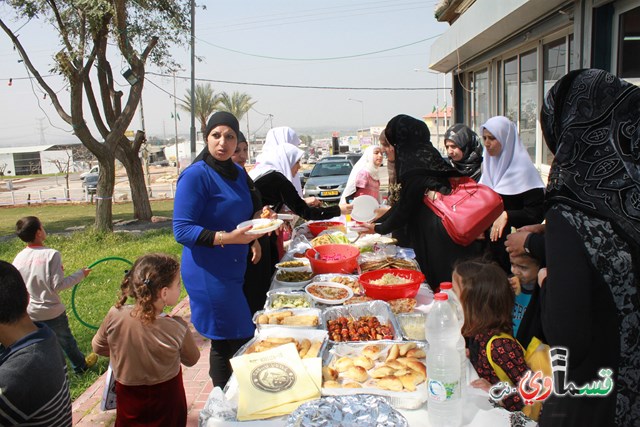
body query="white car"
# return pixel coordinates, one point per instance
(95, 169)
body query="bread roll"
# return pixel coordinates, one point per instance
(382, 371)
(329, 374)
(363, 361)
(395, 364)
(331, 384)
(409, 381)
(343, 364)
(394, 352)
(390, 383)
(372, 351)
(356, 373)
(352, 385)
(313, 350)
(418, 353)
(404, 348)
(418, 367)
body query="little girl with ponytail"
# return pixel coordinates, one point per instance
(146, 346)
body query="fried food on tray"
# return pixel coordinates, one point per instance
(388, 262)
(271, 342)
(287, 318)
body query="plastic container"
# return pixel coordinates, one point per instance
(443, 365)
(333, 258)
(318, 227)
(389, 292)
(454, 301)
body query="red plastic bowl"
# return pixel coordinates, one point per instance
(347, 262)
(389, 292)
(319, 226)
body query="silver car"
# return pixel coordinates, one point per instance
(327, 180)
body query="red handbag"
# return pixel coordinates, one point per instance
(470, 209)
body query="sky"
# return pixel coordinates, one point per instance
(355, 44)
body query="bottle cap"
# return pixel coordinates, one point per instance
(446, 285)
(441, 296)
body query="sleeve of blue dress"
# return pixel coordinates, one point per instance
(188, 206)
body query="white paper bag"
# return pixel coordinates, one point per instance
(109, 393)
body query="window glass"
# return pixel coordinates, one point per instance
(573, 65)
(511, 89)
(629, 44)
(528, 101)
(554, 57)
(472, 103)
(481, 98)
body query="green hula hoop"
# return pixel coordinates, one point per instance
(75, 288)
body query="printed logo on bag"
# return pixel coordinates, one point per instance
(535, 387)
(273, 377)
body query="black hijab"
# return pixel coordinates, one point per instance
(591, 123)
(469, 143)
(227, 169)
(415, 155)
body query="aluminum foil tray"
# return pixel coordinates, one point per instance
(377, 308)
(285, 332)
(360, 410)
(399, 399)
(295, 312)
(292, 294)
(357, 289)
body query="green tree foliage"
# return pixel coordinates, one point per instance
(206, 102)
(237, 103)
(90, 34)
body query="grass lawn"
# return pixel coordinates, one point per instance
(98, 292)
(59, 216)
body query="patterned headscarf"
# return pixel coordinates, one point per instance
(469, 143)
(415, 155)
(591, 123)
(366, 162)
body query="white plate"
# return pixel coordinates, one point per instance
(355, 226)
(364, 208)
(329, 285)
(286, 217)
(259, 222)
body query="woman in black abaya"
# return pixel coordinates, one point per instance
(419, 169)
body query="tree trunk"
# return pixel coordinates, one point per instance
(104, 195)
(139, 196)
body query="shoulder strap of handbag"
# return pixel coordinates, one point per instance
(502, 375)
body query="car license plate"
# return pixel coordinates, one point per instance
(329, 193)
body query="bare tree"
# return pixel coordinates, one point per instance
(85, 30)
(64, 167)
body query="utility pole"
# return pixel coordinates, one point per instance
(175, 121)
(193, 80)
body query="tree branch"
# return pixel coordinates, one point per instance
(61, 27)
(27, 62)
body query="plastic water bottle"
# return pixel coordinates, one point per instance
(443, 365)
(447, 288)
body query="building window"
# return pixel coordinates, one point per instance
(629, 44)
(480, 98)
(528, 101)
(554, 65)
(510, 78)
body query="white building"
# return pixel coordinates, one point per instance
(37, 159)
(504, 55)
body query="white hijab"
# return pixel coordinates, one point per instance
(512, 171)
(365, 163)
(273, 156)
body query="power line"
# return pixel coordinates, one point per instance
(357, 55)
(296, 86)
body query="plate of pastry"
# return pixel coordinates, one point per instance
(261, 225)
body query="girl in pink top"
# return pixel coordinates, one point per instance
(364, 176)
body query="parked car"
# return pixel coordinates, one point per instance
(351, 157)
(95, 169)
(311, 160)
(328, 179)
(90, 183)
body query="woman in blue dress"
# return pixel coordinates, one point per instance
(213, 196)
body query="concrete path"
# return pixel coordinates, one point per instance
(197, 385)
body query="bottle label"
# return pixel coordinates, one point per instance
(440, 391)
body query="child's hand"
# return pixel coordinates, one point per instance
(86, 271)
(482, 384)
